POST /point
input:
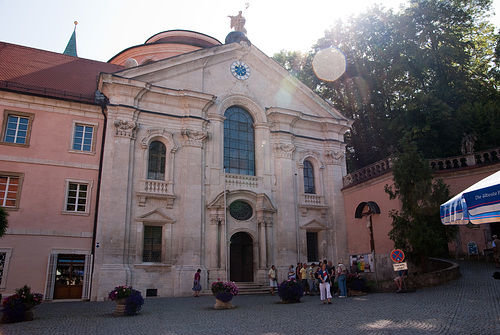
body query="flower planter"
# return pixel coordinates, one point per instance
(128, 301)
(120, 307)
(28, 315)
(219, 304)
(18, 307)
(224, 293)
(290, 291)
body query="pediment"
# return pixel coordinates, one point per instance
(208, 71)
(314, 225)
(155, 216)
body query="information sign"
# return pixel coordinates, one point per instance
(400, 266)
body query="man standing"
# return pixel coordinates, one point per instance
(342, 279)
(303, 278)
(273, 280)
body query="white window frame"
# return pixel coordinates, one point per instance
(93, 125)
(6, 116)
(18, 194)
(89, 184)
(8, 254)
(51, 273)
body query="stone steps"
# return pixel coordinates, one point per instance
(247, 288)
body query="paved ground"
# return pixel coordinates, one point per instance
(469, 305)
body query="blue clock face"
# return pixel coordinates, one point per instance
(240, 70)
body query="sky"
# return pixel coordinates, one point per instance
(106, 27)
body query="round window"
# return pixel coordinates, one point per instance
(240, 210)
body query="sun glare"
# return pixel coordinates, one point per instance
(329, 64)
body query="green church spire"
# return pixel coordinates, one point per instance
(71, 47)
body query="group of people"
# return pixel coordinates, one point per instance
(315, 279)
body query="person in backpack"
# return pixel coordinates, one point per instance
(342, 279)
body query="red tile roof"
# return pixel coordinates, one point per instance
(50, 74)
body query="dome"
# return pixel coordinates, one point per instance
(165, 45)
(237, 37)
(130, 62)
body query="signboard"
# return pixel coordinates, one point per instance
(397, 255)
(472, 248)
(400, 266)
(361, 263)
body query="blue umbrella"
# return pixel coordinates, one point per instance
(480, 203)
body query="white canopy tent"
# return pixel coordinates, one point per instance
(478, 204)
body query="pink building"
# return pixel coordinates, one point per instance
(50, 148)
(367, 208)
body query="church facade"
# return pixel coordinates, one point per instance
(180, 154)
(215, 159)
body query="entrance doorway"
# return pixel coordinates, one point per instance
(312, 247)
(69, 276)
(241, 258)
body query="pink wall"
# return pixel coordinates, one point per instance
(39, 226)
(373, 190)
(357, 232)
(30, 255)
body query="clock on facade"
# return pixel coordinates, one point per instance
(240, 70)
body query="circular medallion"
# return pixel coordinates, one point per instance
(240, 210)
(240, 70)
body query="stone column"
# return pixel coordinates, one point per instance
(114, 223)
(334, 169)
(192, 212)
(263, 245)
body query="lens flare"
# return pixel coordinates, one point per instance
(329, 64)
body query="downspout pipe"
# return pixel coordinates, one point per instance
(101, 100)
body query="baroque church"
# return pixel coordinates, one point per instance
(177, 154)
(215, 159)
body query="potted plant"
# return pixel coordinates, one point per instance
(128, 301)
(290, 291)
(224, 293)
(18, 307)
(355, 284)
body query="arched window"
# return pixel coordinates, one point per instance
(156, 161)
(309, 178)
(239, 148)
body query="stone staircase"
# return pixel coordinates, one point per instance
(247, 288)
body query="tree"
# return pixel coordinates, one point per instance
(426, 70)
(417, 228)
(294, 62)
(3, 221)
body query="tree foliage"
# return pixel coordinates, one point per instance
(417, 228)
(430, 70)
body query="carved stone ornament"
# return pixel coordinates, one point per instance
(193, 138)
(126, 128)
(334, 157)
(284, 150)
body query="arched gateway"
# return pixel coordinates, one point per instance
(241, 258)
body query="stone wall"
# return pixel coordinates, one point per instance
(440, 272)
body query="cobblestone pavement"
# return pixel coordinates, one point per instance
(469, 305)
